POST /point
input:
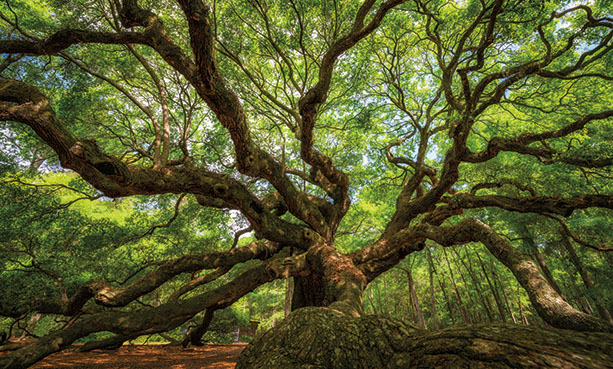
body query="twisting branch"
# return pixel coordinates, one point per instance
(549, 304)
(535, 204)
(197, 282)
(316, 95)
(169, 222)
(519, 186)
(106, 295)
(520, 144)
(566, 232)
(224, 102)
(114, 178)
(238, 235)
(65, 38)
(153, 319)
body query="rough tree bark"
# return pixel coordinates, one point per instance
(324, 338)
(327, 327)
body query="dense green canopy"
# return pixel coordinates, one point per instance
(445, 162)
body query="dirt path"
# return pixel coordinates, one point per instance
(148, 356)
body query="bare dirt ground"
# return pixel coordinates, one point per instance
(148, 356)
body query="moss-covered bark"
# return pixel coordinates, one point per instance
(324, 338)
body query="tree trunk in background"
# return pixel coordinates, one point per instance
(448, 302)
(585, 277)
(419, 318)
(463, 311)
(194, 337)
(383, 302)
(501, 311)
(411, 308)
(475, 317)
(529, 242)
(521, 309)
(288, 295)
(481, 292)
(313, 338)
(504, 293)
(535, 321)
(432, 301)
(485, 303)
(549, 304)
(575, 294)
(371, 300)
(476, 313)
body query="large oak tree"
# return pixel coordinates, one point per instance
(272, 109)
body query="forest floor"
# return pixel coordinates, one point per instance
(148, 356)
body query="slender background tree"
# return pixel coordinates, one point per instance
(359, 141)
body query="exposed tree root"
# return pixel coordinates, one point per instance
(323, 338)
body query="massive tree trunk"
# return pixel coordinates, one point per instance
(328, 328)
(325, 338)
(333, 281)
(308, 291)
(340, 336)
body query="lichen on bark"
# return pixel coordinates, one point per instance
(324, 338)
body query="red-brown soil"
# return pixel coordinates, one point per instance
(148, 356)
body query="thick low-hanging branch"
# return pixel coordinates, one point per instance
(66, 38)
(284, 214)
(154, 319)
(549, 304)
(106, 295)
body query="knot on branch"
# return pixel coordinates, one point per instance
(250, 160)
(220, 189)
(60, 40)
(308, 235)
(284, 267)
(88, 153)
(107, 168)
(249, 163)
(132, 15)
